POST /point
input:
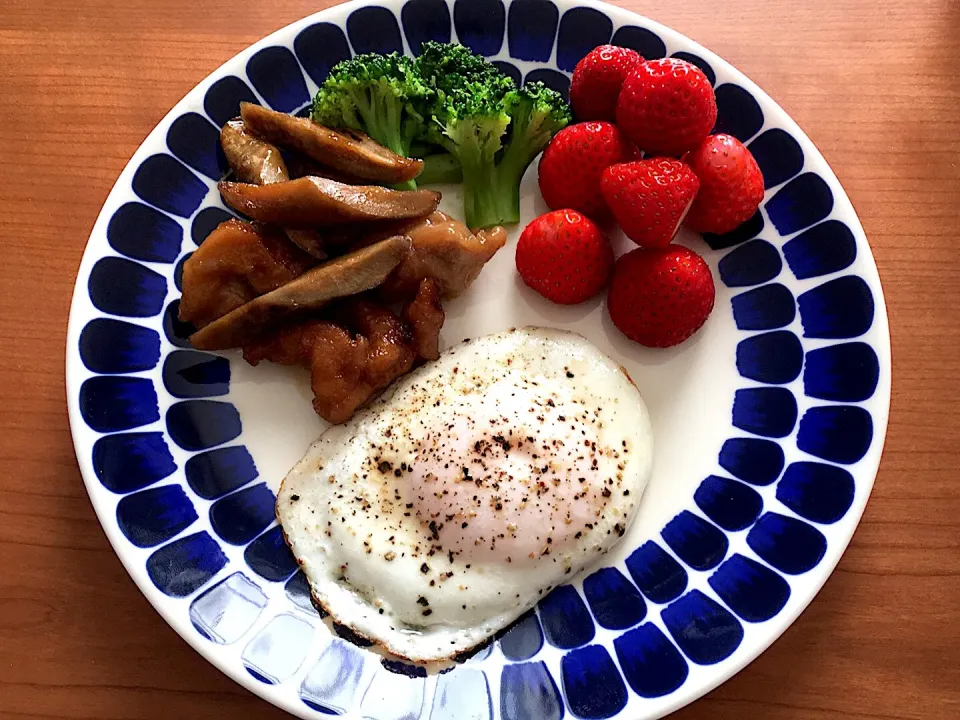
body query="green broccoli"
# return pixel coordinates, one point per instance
(381, 95)
(492, 127)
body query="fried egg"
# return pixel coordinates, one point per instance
(470, 489)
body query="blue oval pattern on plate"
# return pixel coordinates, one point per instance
(581, 30)
(800, 203)
(767, 307)
(527, 690)
(778, 155)
(752, 263)
(774, 357)
(615, 601)
(115, 346)
(646, 42)
(651, 664)
(215, 473)
(425, 20)
(202, 424)
(752, 460)
(109, 404)
(591, 683)
(223, 98)
(552, 79)
(817, 491)
(320, 47)
(823, 249)
(566, 621)
(144, 233)
(192, 374)
(166, 183)
(657, 573)
(730, 504)
(195, 142)
(770, 412)
(131, 461)
(153, 516)
(185, 565)
(838, 433)
(704, 630)
(178, 271)
(837, 310)
(523, 639)
(531, 29)
(374, 29)
(206, 222)
(510, 70)
(240, 517)
(848, 372)
(698, 543)
(269, 557)
(480, 25)
(276, 75)
(790, 545)
(752, 590)
(738, 112)
(122, 287)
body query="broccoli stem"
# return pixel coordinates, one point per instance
(440, 168)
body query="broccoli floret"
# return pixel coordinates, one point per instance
(381, 95)
(492, 127)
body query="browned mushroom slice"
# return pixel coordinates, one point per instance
(445, 249)
(236, 263)
(349, 274)
(299, 165)
(251, 159)
(311, 202)
(425, 316)
(346, 151)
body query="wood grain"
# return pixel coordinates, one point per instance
(874, 84)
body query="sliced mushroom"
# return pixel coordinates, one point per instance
(252, 160)
(349, 274)
(299, 165)
(311, 202)
(347, 151)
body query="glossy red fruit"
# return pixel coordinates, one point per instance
(666, 107)
(571, 166)
(564, 256)
(649, 198)
(662, 296)
(597, 80)
(731, 185)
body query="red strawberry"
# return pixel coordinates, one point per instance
(597, 80)
(570, 167)
(662, 296)
(564, 257)
(666, 106)
(731, 185)
(649, 198)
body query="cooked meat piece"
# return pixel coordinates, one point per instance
(350, 274)
(236, 263)
(346, 151)
(425, 316)
(251, 159)
(346, 371)
(258, 162)
(445, 249)
(311, 202)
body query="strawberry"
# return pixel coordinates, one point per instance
(666, 107)
(649, 198)
(731, 185)
(662, 296)
(564, 256)
(597, 80)
(570, 167)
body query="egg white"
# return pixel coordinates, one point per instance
(413, 521)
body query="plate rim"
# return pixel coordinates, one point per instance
(866, 470)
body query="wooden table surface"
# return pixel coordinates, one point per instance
(873, 83)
